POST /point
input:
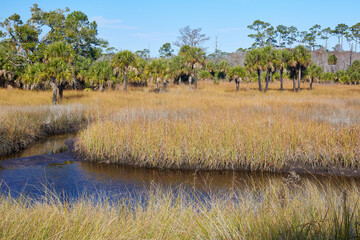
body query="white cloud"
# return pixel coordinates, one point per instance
(111, 23)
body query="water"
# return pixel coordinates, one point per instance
(48, 165)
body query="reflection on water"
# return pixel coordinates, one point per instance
(200, 180)
(50, 145)
(67, 176)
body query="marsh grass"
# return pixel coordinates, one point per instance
(21, 126)
(215, 128)
(278, 211)
(210, 128)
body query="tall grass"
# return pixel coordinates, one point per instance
(210, 128)
(213, 128)
(22, 125)
(280, 211)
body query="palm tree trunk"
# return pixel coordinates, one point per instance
(125, 81)
(61, 88)
(299, 77)
(195, 76)
(259, 79)
(281, 80)
(237, 84)
(267, 80)
(74, 81)
(311, 82)
(294, 84)
(55, 88)
(157, 85)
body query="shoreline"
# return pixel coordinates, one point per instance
(298, 169)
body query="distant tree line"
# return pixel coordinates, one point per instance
(282, 36)
(61, 49)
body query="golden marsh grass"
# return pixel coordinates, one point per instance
(279, 211)
(217, 128)
(210, 128)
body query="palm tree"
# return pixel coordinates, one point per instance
(237, 73)
(100, 73)
(58, 57)
(60, 72)
(280, 58)
(157, 70)
(177, 66)
(292, 66)
(255, 61)
(122, 63)
(224, 68)
(303, 58)
(80, 68)
(173, 69)
(270, 58)
(211, 67)
(34, 75)
(194, 58)
(314, 71)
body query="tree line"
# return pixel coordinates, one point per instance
(61, 49)
(283, 36)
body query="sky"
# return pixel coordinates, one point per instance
(140, 24)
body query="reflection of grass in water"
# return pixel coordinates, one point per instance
(60, 149)
(282, 210)
(21, 126)
(50, 145)
(61, 164)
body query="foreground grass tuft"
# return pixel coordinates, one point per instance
(280, 211)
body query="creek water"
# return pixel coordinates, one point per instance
(49, 166)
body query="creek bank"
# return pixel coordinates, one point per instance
(298, 169)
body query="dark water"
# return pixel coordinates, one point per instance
(56, 170)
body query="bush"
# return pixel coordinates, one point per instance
(328, 77)
(204, 75)
(344, 79)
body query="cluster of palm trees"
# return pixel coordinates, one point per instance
(61, 67)
(270, 60)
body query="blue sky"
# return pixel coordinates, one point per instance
(136, 25)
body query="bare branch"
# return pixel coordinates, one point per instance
(191, 37)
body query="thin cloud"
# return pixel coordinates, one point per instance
(111, 23)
